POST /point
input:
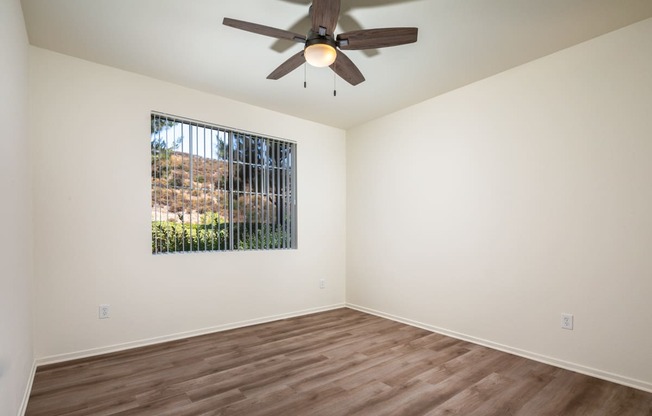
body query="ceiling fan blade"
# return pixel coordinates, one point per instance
(325, 14)
(288, 66)
(301, 26)
(348, 23)
(377, 38)
(264, 30)
(346, 69)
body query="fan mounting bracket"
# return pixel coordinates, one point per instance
(314, 38)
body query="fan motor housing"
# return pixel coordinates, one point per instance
(314, 39)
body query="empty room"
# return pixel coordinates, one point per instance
(325, 207)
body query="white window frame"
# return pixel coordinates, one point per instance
(216, 188)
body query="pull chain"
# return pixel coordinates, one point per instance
(305, 72)
(334, 81)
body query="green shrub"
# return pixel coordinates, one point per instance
(212, 218)
(169, 237)
(264, 237)
(173, 237)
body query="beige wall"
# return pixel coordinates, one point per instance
(15, 210)
(92, 198)
(483, 213)
(487, 212)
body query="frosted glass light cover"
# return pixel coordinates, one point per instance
(320, 55)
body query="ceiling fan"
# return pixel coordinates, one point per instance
(322, 48)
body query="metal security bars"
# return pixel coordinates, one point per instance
(218, 189)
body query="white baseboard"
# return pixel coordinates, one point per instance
(593, 372)
(28, 390)
(53, 359)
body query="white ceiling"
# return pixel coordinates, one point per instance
(184, 42)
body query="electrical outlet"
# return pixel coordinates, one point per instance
(322, 283)
(104, 311)
(567, 321)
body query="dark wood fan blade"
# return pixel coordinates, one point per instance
(288, 66)
(301, 26)
(325, 14)
(264, 30)
(377, 38)
(346, 69)
(348, 23)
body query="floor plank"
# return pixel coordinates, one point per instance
(341, 362)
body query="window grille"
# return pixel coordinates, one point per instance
(219, 189)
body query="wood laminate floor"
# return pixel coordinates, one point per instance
(340, 362)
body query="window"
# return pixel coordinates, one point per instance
(218, 189)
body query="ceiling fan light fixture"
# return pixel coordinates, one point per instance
(322, 47)
(320, 53)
